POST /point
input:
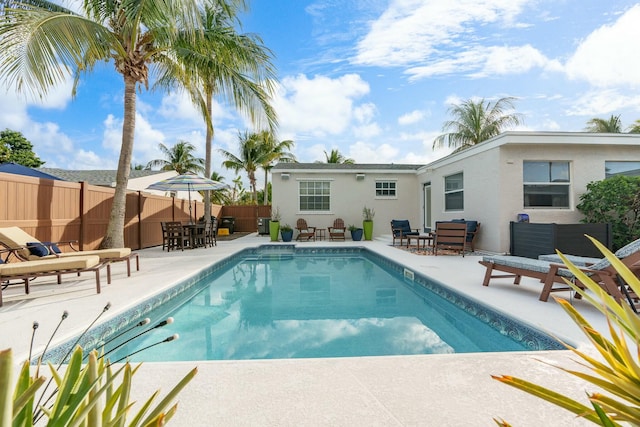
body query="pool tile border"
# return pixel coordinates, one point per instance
(530, 337)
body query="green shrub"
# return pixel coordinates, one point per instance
(615, 200)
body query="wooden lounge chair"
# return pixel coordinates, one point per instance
(304, 231)
(338, 230)
(450, 236)
(552, 273)
(31, 249)
(25, 271)
(400, 229)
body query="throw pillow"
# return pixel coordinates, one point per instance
(37, 249)
(52, 247)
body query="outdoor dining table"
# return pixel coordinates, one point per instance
(192, 231)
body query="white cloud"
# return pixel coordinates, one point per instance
(608, 57)
(414, 116)
(410, 31)
(319, 106)
(604, 101)
(146, 139)
(363, 152)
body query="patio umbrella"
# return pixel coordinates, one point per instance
(187, 182)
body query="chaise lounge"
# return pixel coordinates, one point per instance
(551, 273)
(25, 271)
(31, 249)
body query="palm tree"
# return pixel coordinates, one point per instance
(178, 158)
(218, 197)
(41, 43)
(273, 152)
(238, 191)
(251, 157)
(475, 122)
(235, 66)
(635, 128)
(337, 157)
(613, 125)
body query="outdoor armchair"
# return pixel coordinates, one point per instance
(305, 232)
(400, 229)
(338, 230)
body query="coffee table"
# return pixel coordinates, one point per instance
(426, 239)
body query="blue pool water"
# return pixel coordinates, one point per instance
(283, 302)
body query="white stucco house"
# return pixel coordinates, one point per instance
(541, 174)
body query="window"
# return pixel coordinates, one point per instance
(385, 189)
(546, 184)
(315, 195)
(621, 168)
(454, 192)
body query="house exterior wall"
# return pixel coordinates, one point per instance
(482, 183)
(493, 177)
(349, 196)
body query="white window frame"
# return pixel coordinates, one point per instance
(390, 182)
(550, 183)
(634, 167)
(454, 191)
(300, 195)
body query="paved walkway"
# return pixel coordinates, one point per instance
(443, 390)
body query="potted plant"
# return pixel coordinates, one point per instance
(274, 224)
(367, 223)
(286, 232)
(356, 233)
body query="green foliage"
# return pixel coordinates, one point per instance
(275, 214)
(14, 147)
(474, 122)
(610, 125)
(368, 213)
(286, 227)
(179, 158)
(86, 395)
(615, 200)
(617, 370)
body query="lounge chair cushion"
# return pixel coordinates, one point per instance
(15, 237)
(525, 264)
(628, 249)
(104, 254)
(53, 265)
(37, 249)
(580, 261)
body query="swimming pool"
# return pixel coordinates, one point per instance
(280, 301)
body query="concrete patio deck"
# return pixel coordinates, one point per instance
(443, 390)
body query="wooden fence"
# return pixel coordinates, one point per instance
(61, 211)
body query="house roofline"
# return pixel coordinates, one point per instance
(534, 138)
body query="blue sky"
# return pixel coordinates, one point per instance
(373, 79)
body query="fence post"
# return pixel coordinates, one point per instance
(83, 223)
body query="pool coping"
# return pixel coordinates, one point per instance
(521, 331)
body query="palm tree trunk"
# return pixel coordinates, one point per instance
(207, 159)
(114, 237)
(265, 199)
